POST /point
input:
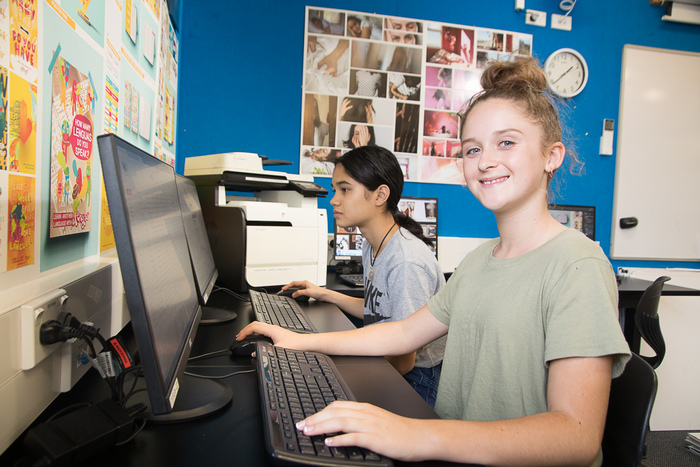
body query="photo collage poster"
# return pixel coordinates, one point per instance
(393, 82)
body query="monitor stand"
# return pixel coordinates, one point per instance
(196, 398)
(215, 315)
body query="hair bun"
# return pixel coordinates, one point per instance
(522, 74)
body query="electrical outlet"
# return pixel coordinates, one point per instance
(536, 18)
(32, 316)
(562, 22)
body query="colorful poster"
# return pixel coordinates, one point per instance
(3, 118)
(23, 38)
(106, 232)
(3, 220)
(394, 82)
(22, 131)
(168, 131)
(72, 117)
(20, 225)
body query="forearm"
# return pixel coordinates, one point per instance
(377, 340)
(551, 438)
(352, 305)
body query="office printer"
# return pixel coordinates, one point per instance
(270, 231)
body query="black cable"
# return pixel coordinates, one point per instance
(195, 375)
(208, 355)
(240, 297)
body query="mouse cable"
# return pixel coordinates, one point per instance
(240, 297)
(208, 355)
(195, 375)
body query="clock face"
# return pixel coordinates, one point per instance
(567, 72)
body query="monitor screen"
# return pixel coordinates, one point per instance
(201, 257)
(155, 265)
(205, 272)
(581, 218)
(425, 212)
(348, 243)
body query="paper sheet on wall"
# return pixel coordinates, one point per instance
(72, 117)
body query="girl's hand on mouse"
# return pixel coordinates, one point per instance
(279, 336)
(307, 289)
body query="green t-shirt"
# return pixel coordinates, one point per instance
(508, 318)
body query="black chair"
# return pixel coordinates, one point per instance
(632, 397)
(646, 319)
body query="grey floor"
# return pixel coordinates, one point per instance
(667, 449)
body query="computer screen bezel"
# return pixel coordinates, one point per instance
(162, 387)
(585, 210)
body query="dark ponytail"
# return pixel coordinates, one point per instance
(373, 166)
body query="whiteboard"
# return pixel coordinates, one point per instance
(657, 177)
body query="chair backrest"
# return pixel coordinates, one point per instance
(646, 319)
(632, 397)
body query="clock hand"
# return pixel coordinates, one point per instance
(562, 75)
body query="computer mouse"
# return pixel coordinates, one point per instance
(290, 291)
(246, 347)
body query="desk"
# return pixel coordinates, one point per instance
(630, 291)
(234, 436)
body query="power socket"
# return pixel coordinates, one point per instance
(562, 22)
(536, 18)
(32, 316)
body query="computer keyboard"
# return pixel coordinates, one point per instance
(280, 310)
(294, 385)
(356, 280)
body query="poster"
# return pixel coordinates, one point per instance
(3, 220)
(72, 117)
(23, 38)
(22, 131)
(3, 118)
(393, 82)
(20, 224)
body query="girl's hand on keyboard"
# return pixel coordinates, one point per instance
(369, 427)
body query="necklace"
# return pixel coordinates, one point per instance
(370, 274)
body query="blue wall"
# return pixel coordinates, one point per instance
(240, 75)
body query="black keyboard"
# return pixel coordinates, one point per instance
(294, 385)
(356, 280)
(280, 310)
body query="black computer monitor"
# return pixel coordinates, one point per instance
(425, 212)
(205, 272)
(158, 282)
(581, 218)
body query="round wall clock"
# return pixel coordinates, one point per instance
(567, 72)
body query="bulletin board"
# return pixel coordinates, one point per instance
(393, 82)
(658, 156)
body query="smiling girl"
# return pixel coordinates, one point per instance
(531, 316)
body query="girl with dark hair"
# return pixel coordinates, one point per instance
(360, 135)
(401, 272)
(534, 338)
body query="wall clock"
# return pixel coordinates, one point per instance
(567, 72)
